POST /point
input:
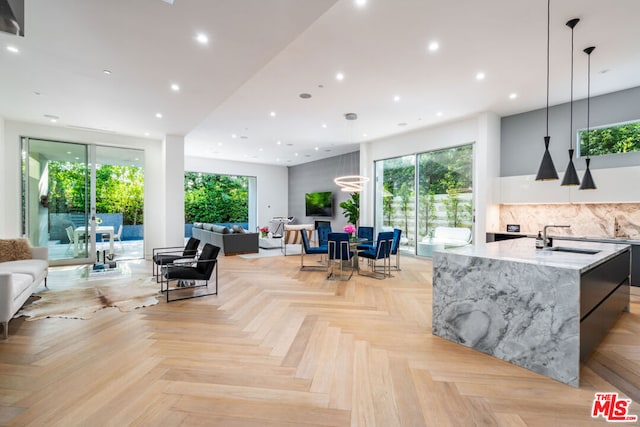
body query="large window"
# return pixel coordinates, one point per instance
(621, 138)
(418, 193)
(445, 189)
(217, 199)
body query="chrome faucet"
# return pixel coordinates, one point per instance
(545, 241)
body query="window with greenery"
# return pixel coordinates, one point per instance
(445, 185)
(622, 138)
(215, 198)
(443, 195)
(119, 189)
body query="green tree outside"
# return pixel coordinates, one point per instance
(215, 198)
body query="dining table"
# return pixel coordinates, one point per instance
(100, 229)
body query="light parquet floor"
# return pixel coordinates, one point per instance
(281, 347)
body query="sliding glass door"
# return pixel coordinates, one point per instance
(56, 202)
(418, 193)
(81, 199)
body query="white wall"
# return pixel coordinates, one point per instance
(156, 204)
(272, 182)
(483, 130)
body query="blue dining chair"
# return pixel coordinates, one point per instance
(382, 251)
(339, 251)
(323, 234)
(311, 250)
(365, 232)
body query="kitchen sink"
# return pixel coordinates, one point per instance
(575, 250)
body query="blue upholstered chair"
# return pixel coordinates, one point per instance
(311, 250)
(365, 232)
(382, 251)
(339, 251)
(395, 247)
(323, 235)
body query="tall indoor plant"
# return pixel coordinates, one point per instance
(352, 209)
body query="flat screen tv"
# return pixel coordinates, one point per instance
(319, 204)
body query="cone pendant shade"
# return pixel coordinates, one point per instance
(587, 180)
(570, 175)
(547, 170)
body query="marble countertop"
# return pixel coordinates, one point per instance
(524, 250)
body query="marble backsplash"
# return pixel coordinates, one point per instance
(605, 220)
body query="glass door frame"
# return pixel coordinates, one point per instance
(89, 208)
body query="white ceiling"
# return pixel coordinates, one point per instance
(263, 53)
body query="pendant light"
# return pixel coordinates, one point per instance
(570, 175)
(547, 170)
(587, 180)
(351, 183)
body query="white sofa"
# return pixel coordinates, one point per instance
(444, 237)
(18, 280)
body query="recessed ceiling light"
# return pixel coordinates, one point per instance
(234, 136)
(13, 49)
(219, 144)
(364, 135)
(513, 95)
(339, 77)
(278, 159)
(324, 125)
(289, 144)
(439, 114)
(146, 134)
(136, 159)
(202, 38)
(396, 98)
(480, 76)
(53, 120)
(260, 149)
(316, 148)
(159, 115)
(272, 114)
(295, 154)
(279, 142)
(434, 46)
(175, 87)
(360, 3)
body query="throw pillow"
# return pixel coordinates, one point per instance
(14, 249)
(238, 229)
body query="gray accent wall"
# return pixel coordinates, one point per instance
(318, 176)
(522, 143)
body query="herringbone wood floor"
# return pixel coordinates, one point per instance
(280, 347)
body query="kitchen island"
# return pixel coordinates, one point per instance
(544, 310)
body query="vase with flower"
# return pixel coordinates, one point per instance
(264, 231)
(350, 229)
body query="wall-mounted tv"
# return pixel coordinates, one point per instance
(319, 204)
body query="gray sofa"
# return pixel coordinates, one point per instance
(231, 242)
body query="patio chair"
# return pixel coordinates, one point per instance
(165, 256)
(189, 275)
(71, 236)
(116, 237)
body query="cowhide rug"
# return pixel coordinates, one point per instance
(82, 301)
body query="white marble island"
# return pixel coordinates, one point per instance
(544, 310)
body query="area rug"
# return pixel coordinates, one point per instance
(83, 301)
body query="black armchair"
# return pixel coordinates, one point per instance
(165, 256)
(188, 275)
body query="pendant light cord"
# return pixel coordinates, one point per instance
(571, 98)
(588, 102)
(548, 36)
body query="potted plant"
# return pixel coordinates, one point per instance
(352, 209)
